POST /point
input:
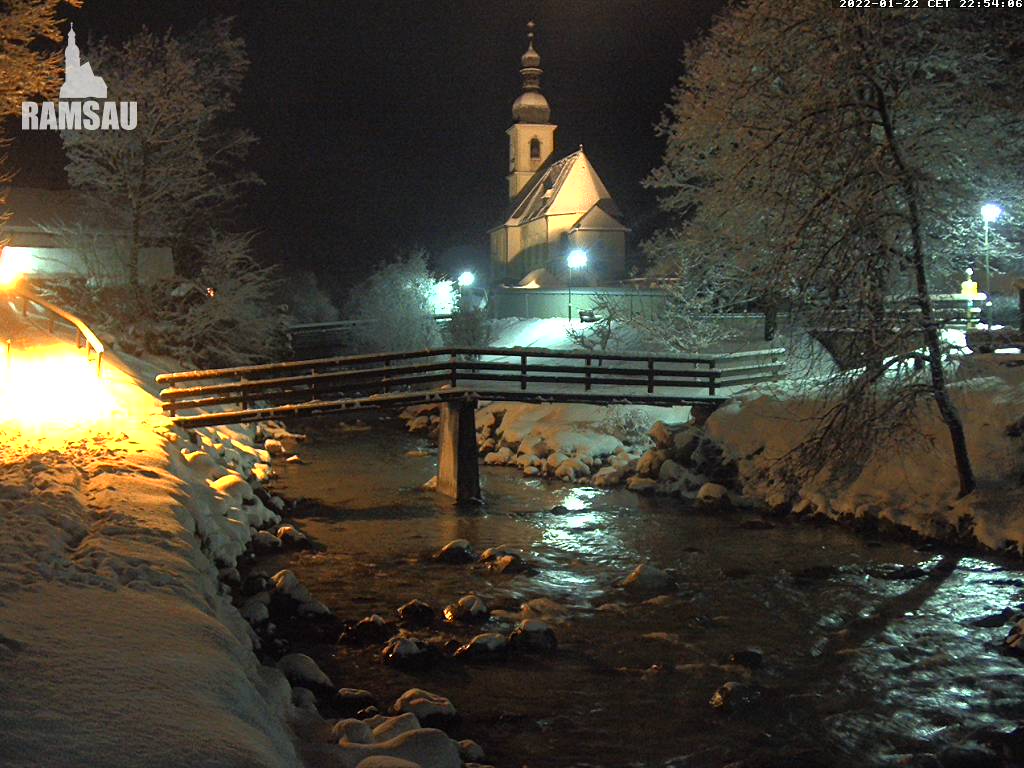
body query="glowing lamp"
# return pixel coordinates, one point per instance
(577, 258)
(466, 279)
(14, 262)
(990, 212)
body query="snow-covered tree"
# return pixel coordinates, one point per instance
(184, 163)
(397, 303)
(835, 161)
(30, 56)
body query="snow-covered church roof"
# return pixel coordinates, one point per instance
(566, 186)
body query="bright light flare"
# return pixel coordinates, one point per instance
(990, 212)
(466, 279)
(53, 392)
(577, 258)
(14, 262)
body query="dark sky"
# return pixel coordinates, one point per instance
(381, 122)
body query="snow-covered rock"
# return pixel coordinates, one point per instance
(713, 495)
(352, 730)
(405, 651)
(500, 457)
(608, 477)
(467, 608)
(265, 541)
(650, 463)
(287, 583)
(423, 704)
(300, 669)
(390, 727)
(486, 645)
(425, 747)
(292, 537)
(533, 635)
(416, 613)
(470, 751)
(457, 551)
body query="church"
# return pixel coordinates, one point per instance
(555, 206)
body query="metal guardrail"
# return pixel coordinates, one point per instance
(490, 373)
(84, 336)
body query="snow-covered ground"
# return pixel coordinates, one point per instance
(118, 646)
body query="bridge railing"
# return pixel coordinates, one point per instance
(498, 373)
(52, 314)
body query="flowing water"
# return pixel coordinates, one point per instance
(867, 646)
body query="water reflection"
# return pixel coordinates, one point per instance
(868, 648)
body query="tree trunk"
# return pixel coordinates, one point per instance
(930, 328)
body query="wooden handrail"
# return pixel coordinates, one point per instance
(84, 332)
(254, 371)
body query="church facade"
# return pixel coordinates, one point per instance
(555, 206)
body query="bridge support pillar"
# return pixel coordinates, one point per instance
(458, 467)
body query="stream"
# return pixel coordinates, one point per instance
(850, 650)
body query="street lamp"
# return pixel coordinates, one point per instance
(466, 279)
(577, 259)
(989, 213)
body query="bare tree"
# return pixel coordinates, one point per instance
(835, 161)
(183, 164)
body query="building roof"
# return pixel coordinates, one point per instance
(566, 186)
(32, 210)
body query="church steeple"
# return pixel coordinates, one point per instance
(531, 136)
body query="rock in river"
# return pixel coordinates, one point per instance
(416, 613)
(425, 705)
(533, 635)
(734, 695)
(489, 645)
(408, 652)
(468, 608)
(647, 578)
(455, 552)
(348, 701)
(372, 629)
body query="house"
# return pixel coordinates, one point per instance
(51, 233)
(555, 206)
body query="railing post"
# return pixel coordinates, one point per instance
(453, 363)
(711, 377)
(650, 375)
(522, 372)
(587, 385)
(99, 365)
(78, 339)
(245, 402)
(384, 380)
(24, 306)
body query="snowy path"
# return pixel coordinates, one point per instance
(117, 647)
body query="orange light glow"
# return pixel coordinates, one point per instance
(53, 390)
(14, 262)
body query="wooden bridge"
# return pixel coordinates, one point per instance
(456, 378)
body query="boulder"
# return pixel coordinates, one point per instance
(489, 645)
(254, 610)
(468, 608)
(493, 553)
(684, 443)
(554, 460)
(265, 541)
(647, 578)
(713, 495)
(290, 536)
(470, 751)
(532, 635)
(571, 469)
(371, 629)
(352, 730)
(424, 704)
(671, 471)
(662, 434)
(608, 477)
(510, 563)
(287, 583)
(455, 552)
(408, 652)
(390, 727)
(1013, 643)
(300, 669)
(303, 698)
(643, 485)
(650, 463)
(424, 747)
(500, 457)
(416, 613)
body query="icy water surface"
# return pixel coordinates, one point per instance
(868, 650)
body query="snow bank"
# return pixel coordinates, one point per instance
(118, 645)
(912, 485)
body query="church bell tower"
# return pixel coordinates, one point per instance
(531, 135)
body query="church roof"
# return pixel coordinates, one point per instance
(566, 186)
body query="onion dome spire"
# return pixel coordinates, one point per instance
(531, 106)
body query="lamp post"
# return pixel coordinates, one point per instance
(577, 259)
(989, 213)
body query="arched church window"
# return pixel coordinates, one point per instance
(535, 149)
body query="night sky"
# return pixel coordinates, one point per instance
(381, 124)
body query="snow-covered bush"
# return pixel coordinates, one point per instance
(397, 301)
(469, 327)
(307, 301)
